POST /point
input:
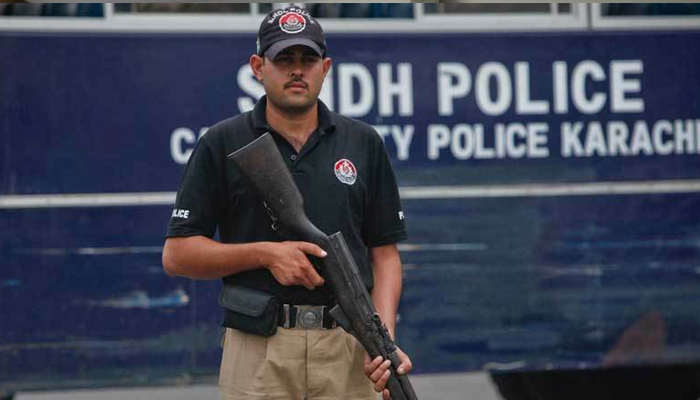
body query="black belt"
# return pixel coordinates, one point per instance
(294, 316)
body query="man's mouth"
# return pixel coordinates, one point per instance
(296, 84)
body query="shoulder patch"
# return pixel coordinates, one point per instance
(179, 213)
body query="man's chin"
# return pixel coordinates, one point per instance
(296, 105)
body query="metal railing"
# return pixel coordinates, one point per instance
(450, 17)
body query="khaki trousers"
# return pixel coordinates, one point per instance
(293, 364)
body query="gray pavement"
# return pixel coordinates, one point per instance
(472, 386)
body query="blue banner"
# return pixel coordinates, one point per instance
(534, 102)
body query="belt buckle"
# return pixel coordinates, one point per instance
(309, 317)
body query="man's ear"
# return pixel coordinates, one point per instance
(256, 63)
(327, 63)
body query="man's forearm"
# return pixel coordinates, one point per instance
(388, 278)
(199, 257)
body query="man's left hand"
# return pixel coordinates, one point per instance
(378, 371)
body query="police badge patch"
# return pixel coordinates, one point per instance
(292, 22)
(345, 171)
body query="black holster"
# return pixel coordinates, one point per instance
(249, 310)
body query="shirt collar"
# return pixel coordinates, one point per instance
(326, 120)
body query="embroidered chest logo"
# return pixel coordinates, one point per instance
(345, 171)
(292, 22)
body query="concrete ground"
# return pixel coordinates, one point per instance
(472, 386)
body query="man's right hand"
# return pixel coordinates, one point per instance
(289, 265)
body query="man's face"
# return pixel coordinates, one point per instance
(293, 79)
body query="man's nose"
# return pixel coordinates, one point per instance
(297, 69)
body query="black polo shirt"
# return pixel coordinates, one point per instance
(343, 173)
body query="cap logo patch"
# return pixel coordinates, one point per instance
(345, 171)
(292, 22)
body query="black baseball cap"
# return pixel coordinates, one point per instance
(289, 27)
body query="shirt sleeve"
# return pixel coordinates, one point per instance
(197, 202)
(384, 219)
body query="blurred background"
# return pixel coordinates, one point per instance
(549, 162)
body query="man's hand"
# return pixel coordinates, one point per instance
(378, 372)
(289, 265)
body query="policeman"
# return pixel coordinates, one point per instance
(280, 342)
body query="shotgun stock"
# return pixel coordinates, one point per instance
(262, 163)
